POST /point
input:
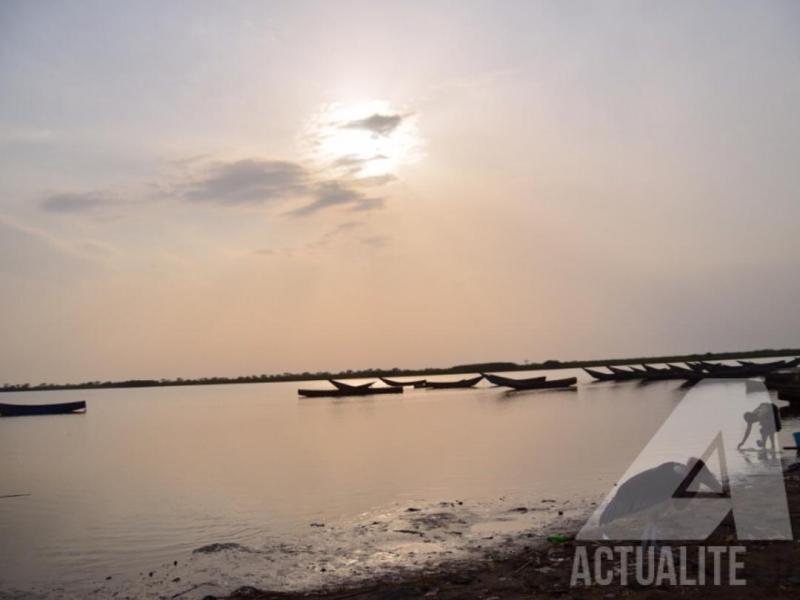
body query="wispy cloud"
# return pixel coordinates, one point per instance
(245, 182)
(328, 194)
(249, 181)
(376, 123)
(72, 202)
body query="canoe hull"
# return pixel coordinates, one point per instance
(509, 382)
(23, 410)
(419, 383)
(347, 393)
(340, 385)
(599, 375)
(567, 382)
(625, 374)
(446, 385)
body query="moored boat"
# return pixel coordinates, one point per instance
(337, 393)
(340, 385)
(600, 375)
(625, 374)
(566, 382)
(21, 410)
(736, 373)
(417, 383)
(680, 370)
(720, 367)
(461, 383)
(509, 382)
(778, 364)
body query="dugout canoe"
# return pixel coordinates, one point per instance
(337, 393)
(461, 383)
(347, 387)
(22, 410)
(566, 382)
(417, 383)
(599, 375)
(509, 382)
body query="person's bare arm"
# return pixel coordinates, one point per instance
(746, 435)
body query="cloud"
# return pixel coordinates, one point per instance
(245, 182)
(375, 180)
(353, 168)
(377, 123)
(250, 181)
(354, 162)
(336, 193)
(73, 202)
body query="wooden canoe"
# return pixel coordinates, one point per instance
(461, 383)
(509, 382)
(544, 385)
(417, 383)
(680, 370)
(772, 366)
(625, 374)
(340, 385)
(651, 369)
(736, 373)
(337, 393)
(720, 368)
(599, 375)
(778, 364)
(20, 410)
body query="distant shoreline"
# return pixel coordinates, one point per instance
(364, 373)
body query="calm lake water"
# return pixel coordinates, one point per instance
(302, 490)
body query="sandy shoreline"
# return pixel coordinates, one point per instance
(544, 569)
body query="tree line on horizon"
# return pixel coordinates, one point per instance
(395, 372)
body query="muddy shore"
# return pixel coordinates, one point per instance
(771, 570)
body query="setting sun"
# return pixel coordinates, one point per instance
(366, 139)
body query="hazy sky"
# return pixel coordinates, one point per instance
(223, 188)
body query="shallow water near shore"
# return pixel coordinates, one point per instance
(251, 485)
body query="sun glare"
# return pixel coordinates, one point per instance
(365, 139)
